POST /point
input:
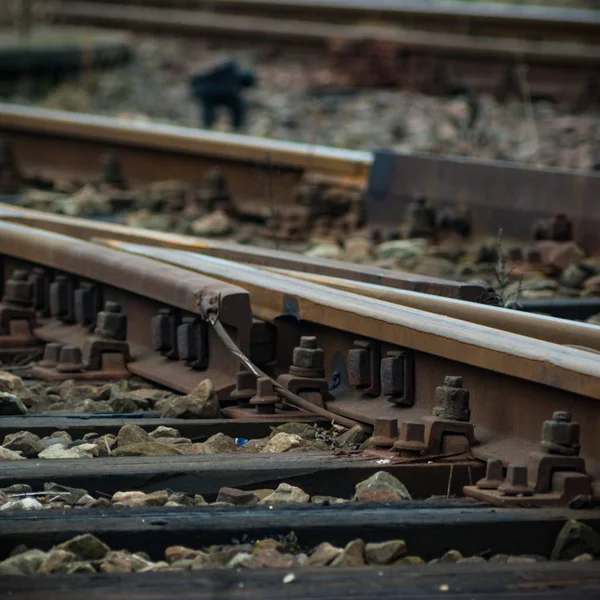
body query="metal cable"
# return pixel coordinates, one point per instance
(291, 398)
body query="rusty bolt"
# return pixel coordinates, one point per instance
(494, 475)
(18, 289)
(515, 483)
(192, 343)
(84, 304)
(308, 360)
(359, 367)
(69, 360)
(51, 355)
(385, 433)
(412, 437)
(561, 435)
(265, 398)
(39, 281)
(245, 388)
(111, 323)
(215, 180)
(452, 400)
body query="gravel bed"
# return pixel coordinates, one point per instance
(88, 554)
(19, 397)
(380, 487)
(132, 440)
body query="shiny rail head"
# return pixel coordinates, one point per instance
(187, 140)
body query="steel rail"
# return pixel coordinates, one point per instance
(541, 327)
(150, 152)
(88, 229)
(397, 287)
(164, 140)
(319, 34)
(450, 13)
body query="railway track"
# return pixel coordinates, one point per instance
(436, 48)
(292, 183)
(434, 397)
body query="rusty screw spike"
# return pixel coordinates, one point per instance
(385, 433)
(245, 388)
(51, 355)
(494, 475)
(265, 398)
(515, 483)
(560, 435)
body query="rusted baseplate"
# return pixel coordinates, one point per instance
(554, 475)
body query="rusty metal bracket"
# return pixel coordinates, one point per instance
(364, 364)
(192, 343)
(62, 362)
(62, 298)
(554, 476)
(548, 480)
(398, 377)
(434, 436)
(165, 334)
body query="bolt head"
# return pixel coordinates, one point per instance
(308, 358)
(245, 380)
(562, 416)
(264, 386)
(112, 307)
(561, 436)
(453, 381)
(308, 341)
(20, 275)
